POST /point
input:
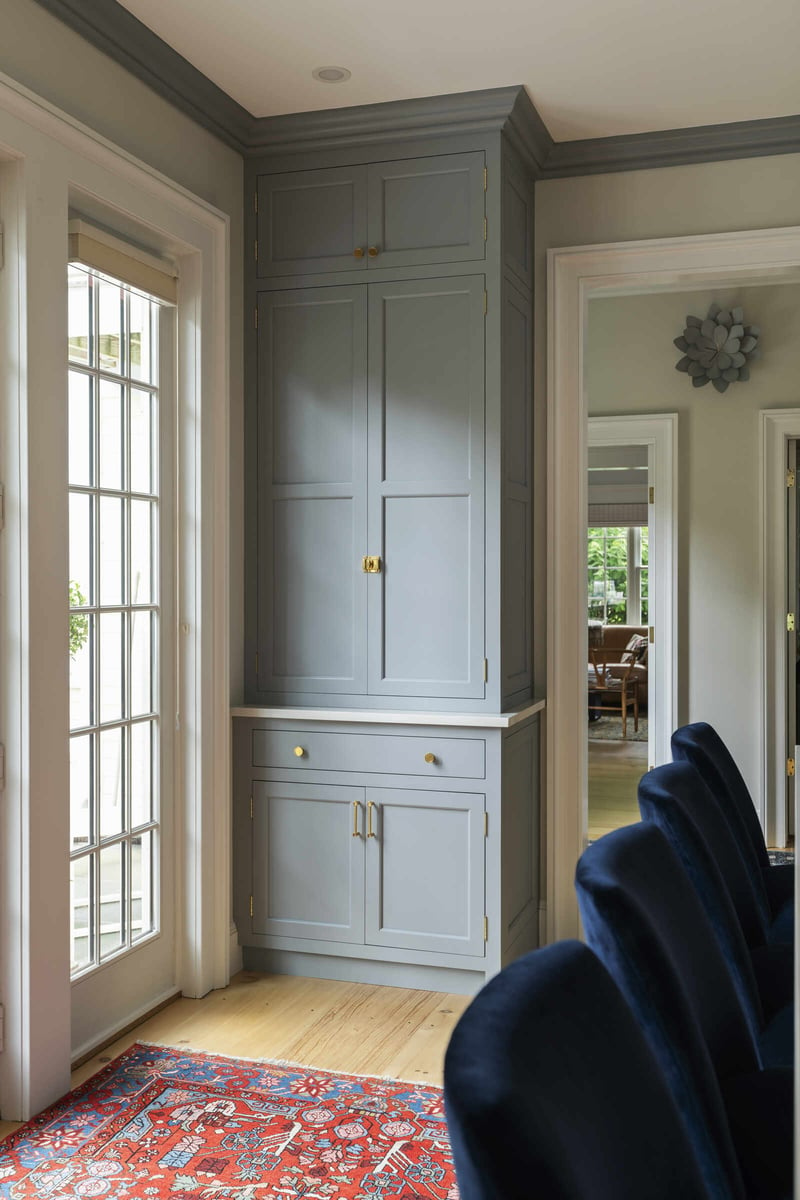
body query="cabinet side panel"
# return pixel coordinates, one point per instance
(520, 838)
(516, 600)
(517, 222)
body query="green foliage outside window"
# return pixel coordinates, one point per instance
(607, 562)
(78, 622)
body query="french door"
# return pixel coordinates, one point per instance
(121, 587)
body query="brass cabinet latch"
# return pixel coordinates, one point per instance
(790, 767)
(371, 563)
(790, 622)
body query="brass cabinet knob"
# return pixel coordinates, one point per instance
(373, 251)
(358, 252)
(299, 751)
(430, 758)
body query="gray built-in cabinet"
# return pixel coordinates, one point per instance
(388, 550)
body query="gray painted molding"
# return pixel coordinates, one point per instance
(674, 147)
(124, 38)
(110, 27)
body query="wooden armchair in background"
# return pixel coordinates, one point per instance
(613, 686)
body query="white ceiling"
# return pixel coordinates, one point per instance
(592, 69)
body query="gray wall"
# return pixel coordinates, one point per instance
(44, 55)
(631, 369)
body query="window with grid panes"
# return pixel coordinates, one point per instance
(113, 616)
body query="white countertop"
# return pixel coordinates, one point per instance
(373, 716)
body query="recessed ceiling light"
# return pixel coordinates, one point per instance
(331, 74)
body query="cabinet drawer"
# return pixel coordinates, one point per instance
(381, 754)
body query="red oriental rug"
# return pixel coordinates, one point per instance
(164, 1122)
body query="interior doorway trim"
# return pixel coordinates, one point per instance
(659, 433)
(776, 428)
(575, 276)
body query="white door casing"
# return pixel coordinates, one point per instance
(574, 276)
(48, 163)
(659, 432)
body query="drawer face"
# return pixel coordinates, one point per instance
(380, 754)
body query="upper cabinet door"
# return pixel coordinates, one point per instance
(311, 221)
(426, 487)
(312, 430)
(426, 210)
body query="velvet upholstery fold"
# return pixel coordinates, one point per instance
(551, 1090)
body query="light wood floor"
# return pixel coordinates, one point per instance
(615, 769)
(348, 1027)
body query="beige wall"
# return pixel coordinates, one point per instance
(755, 193)
(631, 369)
(55, 63)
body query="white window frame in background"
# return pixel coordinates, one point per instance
(49, 162)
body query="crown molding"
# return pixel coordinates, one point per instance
(673, 147)
(111, 28)
(505, 109)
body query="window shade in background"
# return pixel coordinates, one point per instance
(604, 515)
(112, 256)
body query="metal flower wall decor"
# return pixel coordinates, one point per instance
(719, 349)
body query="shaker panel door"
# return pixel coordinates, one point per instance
(427, 210)
(310, 221)
(425, 870)
(308, 868)
(426, 488)
(312, 493)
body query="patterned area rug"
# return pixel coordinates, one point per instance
(160, 1122)
(609, 729)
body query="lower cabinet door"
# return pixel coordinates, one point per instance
(308, 867)
(425, 870)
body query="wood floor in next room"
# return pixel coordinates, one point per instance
(349, 1027)
(615, 769)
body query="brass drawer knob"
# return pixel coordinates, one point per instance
(358, 252)
(430, 758)
(299, 751)
(373, 251)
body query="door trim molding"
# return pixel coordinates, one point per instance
(55, 161)
(659, 432)
(576, 275)
(775, 428)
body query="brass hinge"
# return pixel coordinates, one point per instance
(651, 633)
(485, 303)
(485, 177)
(486, 929)
(371, 564)
(255, 249)
(652, 495)
(486, 670)
(790, 622)
(790, 767)
(251, 906)
(485, 824)
(790, 478)
(251, 808)
(485, 228)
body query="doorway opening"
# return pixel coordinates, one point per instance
(617, 560)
